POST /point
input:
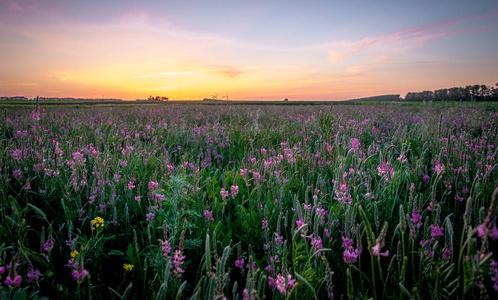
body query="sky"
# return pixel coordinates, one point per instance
(240, 50)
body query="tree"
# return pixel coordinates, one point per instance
(441, 95)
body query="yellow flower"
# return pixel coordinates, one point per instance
(74, 254)
(97, 222)
(128, 267)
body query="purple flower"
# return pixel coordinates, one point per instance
(16, 281)
(223, 193)
(79, 275)
(33, 275)
(494, 264)
(376, 251)
(447, 253)
(279, 239)
(346, 243)
(264, 225)
(150, 217)
(166, 248)
(208, 215)
(355, 144)
(49, 244)
(153, 185)
(436, 231)
(284, 284)
(239, 263)
(416, 219)
(17, 174)
(235, 190)
(178, 261)
(79, 158)
(438, 167)
(131, 185)
(16, 154)
(385, 168)
(317, 243)
(350, 256)
(271, 282)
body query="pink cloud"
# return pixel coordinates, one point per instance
(15, 6)
(335, 57)
(382, 59)
(417, 36)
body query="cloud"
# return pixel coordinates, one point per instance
(383, 48)
(335, 57)
(165, 74)
(27, 84)
(15, 6)
(417, 36)
(229, 72)
(147, 76)
(382, 59)
(175, 73)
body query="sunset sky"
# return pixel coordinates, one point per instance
(272, 49)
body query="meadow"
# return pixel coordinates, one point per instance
(198, 201)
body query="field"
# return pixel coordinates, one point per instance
(196, 201)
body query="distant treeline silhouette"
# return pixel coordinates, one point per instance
(380, 98)
(478, 92)
(22, 98)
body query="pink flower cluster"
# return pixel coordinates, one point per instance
(178, 261)
(208, 215)
(285, 283)
(386, 169)
(350, 254)
(13, 278)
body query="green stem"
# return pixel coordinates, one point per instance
(373, 276)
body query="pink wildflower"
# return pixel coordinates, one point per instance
(235, 190)
(13, 281)
(350, 256)
(33, 275)
(166, 248)
(150, 217)
(208, 215)
(178, 261)
(264, 225)
(385, 168)
(239, 263)
(416, 219)
(279, 239)
(79, 275)
(223, 193)
(376, 251)
(285, 284)
(355, 144)
(436, 231)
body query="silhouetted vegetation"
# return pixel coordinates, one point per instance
(379, 98)
(478, 92)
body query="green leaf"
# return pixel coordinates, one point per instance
(115, 252)
(38, 211)
(306, 283)
(368, 229)
(405, 291)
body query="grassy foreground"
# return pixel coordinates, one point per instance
(284, 202)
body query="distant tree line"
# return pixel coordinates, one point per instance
(380, 98)
(22, 98)
(478, 92)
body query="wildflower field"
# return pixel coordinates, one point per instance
(249, 202)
